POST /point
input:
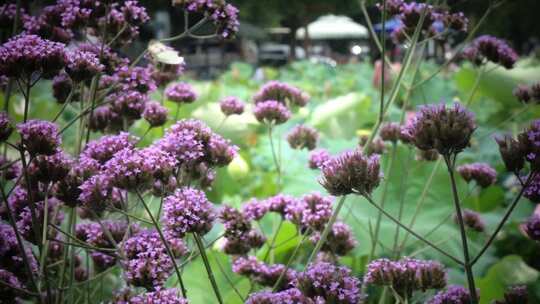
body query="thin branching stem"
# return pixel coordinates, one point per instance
(209, 271)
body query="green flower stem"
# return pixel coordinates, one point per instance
(476, 84)
(403, 194)
(165, 243)
(393, 219)
(274, 155)
(271, 247)
(467, 265)
(211, 277)
(326, 231)
(420, 202)
(383, 200)
(62, 272)
(289, 262)
(229, 281)
(504, 219)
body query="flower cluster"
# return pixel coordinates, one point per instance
(526, 148)
(351, 172)
(339, 241)
(303, 137)
(528, 94)
(26, 56)
(283, 93)
(39, 137)
(291, 295)
(187, 211)
(181, 92)
(483, 174)
(240, 237)
(263, 274)
(317, 158)
(163, 296)
(329, 283)
(445, 129)
(488, 48)
(155, 114)
(453, 295)
(472, 220)
(390, 132)
(83, 65)
(147, 263)
(6, 128)
(532, 227)
(271, 112)
(224, 16)
(515, 295)
(231, 105)
(407, 275)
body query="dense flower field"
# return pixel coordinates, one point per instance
(123, 180)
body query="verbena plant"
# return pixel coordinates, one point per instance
(70, 212)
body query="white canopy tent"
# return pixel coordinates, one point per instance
(333, 27)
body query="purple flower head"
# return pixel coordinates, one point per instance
(453, 295)
(67, 189)
(155, 114)
(303, 137)
(532, 227)
(185, 140)
(8, 13)
(529, 141)
(181, 92)
(522, 93)
(283, 93)
(446, 129)
(50, 168)
(165, 73)
(187, 211)
(25, 226)
(261, 273)
(411, 13)
(231, 105)
(407, 275)
(83, 65)
(135, 79)
(332, 283)
(351, 172)
(294, 210)
(488, 48)
(271, 112)
(220, 151)
(279, 203)
(236, 224)
(93, 233)
(5, 126)
(483, 174)
(48, 24)
(11, 255)
(39, 137)
(8, 294)
(104, 148)
(134, 13)
(376, 146)
(244, 243)
(291, 295)
(102, 118)
(512, 152)
(390, 132)
(393, 7)
(317, 212)
(62, 86)
(157, 162)
(108, 58)
(102, 260)
(317, 158)
(96, 193)
(456, 21)
(162, 296)
(254, 209)
(224, 16)
(147, 263)
(128, 103)
(24, 55)
(472, 220)
(515, 295)
(340, 240)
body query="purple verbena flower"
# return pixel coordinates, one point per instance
(271, 112)
(181, 92)
(483, 174)
(317, 158)
(283, 93)
(231, 105)
(6, 128)
(187, 211)
(390, 132)
(83, 65)
(155, 114)
(340, 239)
(39, 137)
(472, 220)
(453, 295)
(532, 227)
(254, 209)
(488, 48)
(104, 148)
(162, 296)
(515, 295)
(303, 137)
(62, 86)
(224, 16)
(317, 211)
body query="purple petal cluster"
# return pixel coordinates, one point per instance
(453, 295)
(316, 211)
(25, 55)
(224, 16)
(331, 283)
(240, 237)
(390, 132)
(515, 295)
(283, 93)
(134, 13)
(303, 137)
(407, 275)
(104, 148)
(340, 241)
(181, 92)
(263, 274)
(255, 209)
(5, 126)
(61, 87)
(39, 137)
(163, 296)
(446, 129)
(8, 293)
(317, 158)
(8, 169)
(165, 73)
(187, 211)
(135, 79)
(231, 105)
(96, 193)
(291, 295)
(351, 172)
(488, 48)
(147, 263)
(483, 174)
(472, 220)
(279, 203)
(83, 65)
(271, 112)
(129, 169)
(220, 151)
(50, 168)
(11, 255)
(25, 225)
(522, 93)
(155, 114)
(129, 104)
(532, 227)
(530, 143)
